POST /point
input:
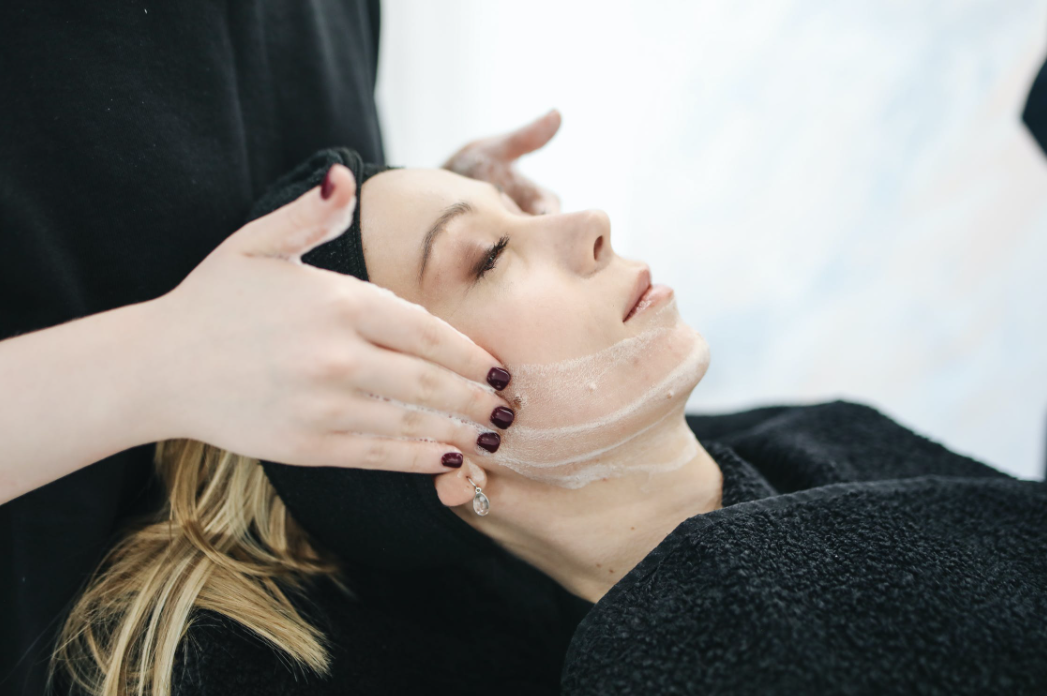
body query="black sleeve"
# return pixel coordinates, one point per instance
(1035, 113)
(219, 657)
(133, 139)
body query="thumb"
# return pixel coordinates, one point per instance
(528, 138)
(317, 216)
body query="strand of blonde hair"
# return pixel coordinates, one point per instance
(223, 542)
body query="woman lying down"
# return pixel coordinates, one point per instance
(603, 544)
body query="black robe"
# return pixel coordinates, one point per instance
(852, 556)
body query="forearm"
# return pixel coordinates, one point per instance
(77, 393)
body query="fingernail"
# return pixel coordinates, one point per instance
(489, 441)
(502, 417)
(327, 188)
(498, 378)
(452, 459)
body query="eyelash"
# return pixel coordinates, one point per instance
(488, 262)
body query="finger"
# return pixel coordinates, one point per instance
(531, 197)
(527, 138)
(357, 451)
(453, 487)
(525, 192)
(304, 223)
(414, 381)
(546, 203)
(380, 417)
(392, 322)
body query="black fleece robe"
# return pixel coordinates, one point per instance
(852, 556)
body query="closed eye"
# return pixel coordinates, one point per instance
(489, 260)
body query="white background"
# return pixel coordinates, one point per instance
(842, 194)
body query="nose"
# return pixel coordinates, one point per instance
(582, 240)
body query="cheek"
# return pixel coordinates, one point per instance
(542, 320)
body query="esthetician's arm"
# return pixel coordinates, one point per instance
(253, 352)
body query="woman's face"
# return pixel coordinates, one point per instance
(546, 295)
(468, 254)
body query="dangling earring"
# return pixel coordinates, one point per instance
(481, 505)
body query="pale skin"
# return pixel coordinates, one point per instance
(557, 278)
(259, 354)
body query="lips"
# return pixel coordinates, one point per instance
(642, 285)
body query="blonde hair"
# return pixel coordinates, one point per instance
(222, 542)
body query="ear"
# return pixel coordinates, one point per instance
(454, 489)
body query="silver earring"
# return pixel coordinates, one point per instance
(481, 505)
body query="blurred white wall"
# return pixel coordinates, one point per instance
(841, 194)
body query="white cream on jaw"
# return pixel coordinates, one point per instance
(578, 417)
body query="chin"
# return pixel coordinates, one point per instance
(676, 362)
(693, 357)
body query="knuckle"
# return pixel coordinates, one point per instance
(332, 366)
(350, 305)
(429, 337)
(326, 412)
(411, 422)
(376, 454)
(315, 369)
(298, 217)
(347, 365)
(428, 385)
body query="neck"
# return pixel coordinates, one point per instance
(589, 538)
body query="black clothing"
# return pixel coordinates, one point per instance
(496, 627)
(133, 139)
(411, 631)
(1034, 115)
(387, 520)
(852, 556)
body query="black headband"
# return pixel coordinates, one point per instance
(376, 519)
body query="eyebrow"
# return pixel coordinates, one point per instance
(449, 214)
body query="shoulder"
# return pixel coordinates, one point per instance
(878, 446)
(803, 445)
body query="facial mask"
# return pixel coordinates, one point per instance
(583, 419)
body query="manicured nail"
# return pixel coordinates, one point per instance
(489, 441)
(327, 188)
(452, 459)
(502, 417)
(498, 378)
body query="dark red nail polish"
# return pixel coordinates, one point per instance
(489, 441)
(498, 378)
(502, 417)
(327, 188)
(452, 459)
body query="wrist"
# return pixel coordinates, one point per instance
(145, 393)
